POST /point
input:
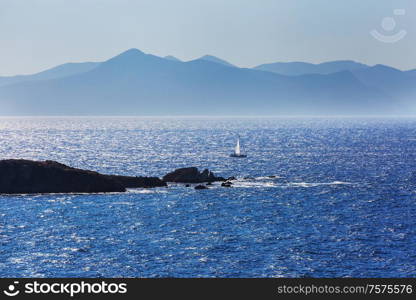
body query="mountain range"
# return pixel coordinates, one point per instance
(136, 83)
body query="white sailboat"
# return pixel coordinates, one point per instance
(237, 150)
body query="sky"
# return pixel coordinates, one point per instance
(38, 34)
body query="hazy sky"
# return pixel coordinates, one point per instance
(38, 34)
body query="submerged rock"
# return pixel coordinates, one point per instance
(18, 176)
(191, 175)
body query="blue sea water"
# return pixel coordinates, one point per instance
(342, 204)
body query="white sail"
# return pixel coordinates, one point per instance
(237, 147)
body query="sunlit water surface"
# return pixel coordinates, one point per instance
(342, 204)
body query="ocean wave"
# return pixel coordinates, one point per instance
(314, 184)
(267, 182)
(145, 191)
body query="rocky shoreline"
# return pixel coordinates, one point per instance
(19, 176)
(191, 175)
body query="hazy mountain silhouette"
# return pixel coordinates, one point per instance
(302, 68)
(393, 82)
(411, 73)
(60, 71)
(381, 76)
(216, 60)
(170, 57)
(135, 83)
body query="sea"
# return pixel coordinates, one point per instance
(315, 197)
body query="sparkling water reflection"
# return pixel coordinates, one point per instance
(342, 202)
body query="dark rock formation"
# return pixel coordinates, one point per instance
(231, 178)
(226, 184)
(191, 175)
(201, 187)
(138, 182)
(25, 176)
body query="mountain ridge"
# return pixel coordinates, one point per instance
(215, 59)
(59, 71)
(134, 82)
(302, 68)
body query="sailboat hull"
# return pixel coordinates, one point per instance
(238, 155)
